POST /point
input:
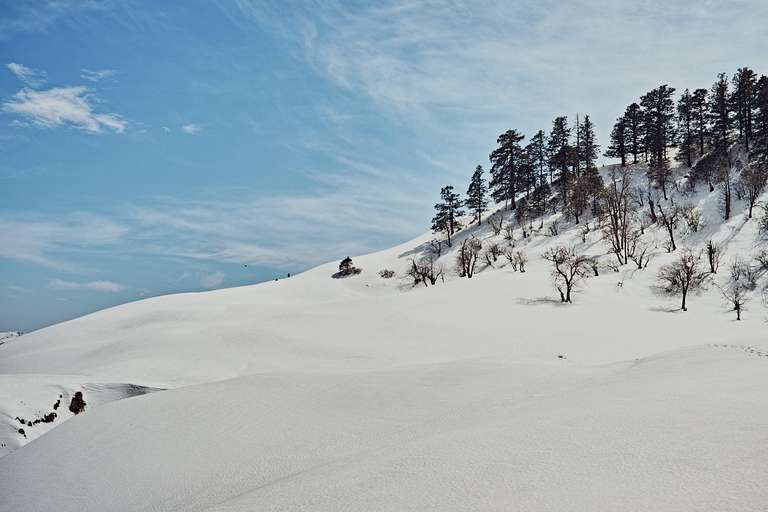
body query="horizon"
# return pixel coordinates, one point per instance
(148, 151)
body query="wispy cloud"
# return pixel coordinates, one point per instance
(478, 66)
(191, 128)
(211, 281)
(63, 106)
(98, 286)
(46, 240)
(31, 77)
(95, 76)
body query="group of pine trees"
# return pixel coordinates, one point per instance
(558, 169)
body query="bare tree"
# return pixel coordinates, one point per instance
(744, 273)
(638, 250)
(754, 179)
(509, 231)
(670, 218)
(492, 253)
(617, 196)
(691, 216)
(517, 259)
(496, 222)
(426, 271)
(713, 256)
(682, 276)
(569, 269)
(467, 256)
(736, 295)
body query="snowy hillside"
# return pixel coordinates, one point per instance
(370, 393)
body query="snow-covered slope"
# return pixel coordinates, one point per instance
(364, 393)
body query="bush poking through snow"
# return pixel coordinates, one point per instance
(77, 405)
(386, 273)
(346, 269)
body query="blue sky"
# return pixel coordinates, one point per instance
(154, 147)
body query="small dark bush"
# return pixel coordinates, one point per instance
(386, 273)
(77, 405)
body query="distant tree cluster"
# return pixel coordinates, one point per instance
(718, 136)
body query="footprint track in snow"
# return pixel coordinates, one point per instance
(747, 349)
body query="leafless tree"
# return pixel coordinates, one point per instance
(517, 259)
(670, 218)
(753, 179)
(713, 256)
(491, 253)
(682, 276)
(618, 207)
(569, 269)
(467, 256)
(736, 295)
(509, 232)
(496, 222)
(744, 273)
(435, 248)
(639, 250)
(761, 257)
(427, 271)
(691, 216)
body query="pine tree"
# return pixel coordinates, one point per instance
(506, 160)
(658, 113)
(476, 194)
(447, 213)
(685, 128)
(699, 110)
(720, 114)
(559, 151)
(537, 153)
(618, 146)
(633, 118)
(587, 144)
(743, 102)
(761, 120)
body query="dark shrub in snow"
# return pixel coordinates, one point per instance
(77, 404)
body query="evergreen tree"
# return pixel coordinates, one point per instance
(447, 213)
(506, 160)
(587, 144)
(633, 118)
(699, 110)
(658, 113)
(559, 151)
(760, 149)
(743, 102)
(476, 194)
(537, 153)
(720, 114)
(685, 122)
(618, 146)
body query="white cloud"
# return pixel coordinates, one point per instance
(191, 128)
(62, 106)
(95, 76)
(31, 77)
(210, 281)
(43, 240)
(98, 286)
(475, 68)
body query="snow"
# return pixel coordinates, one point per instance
(364, 393)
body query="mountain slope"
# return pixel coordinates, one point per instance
(366, 393)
